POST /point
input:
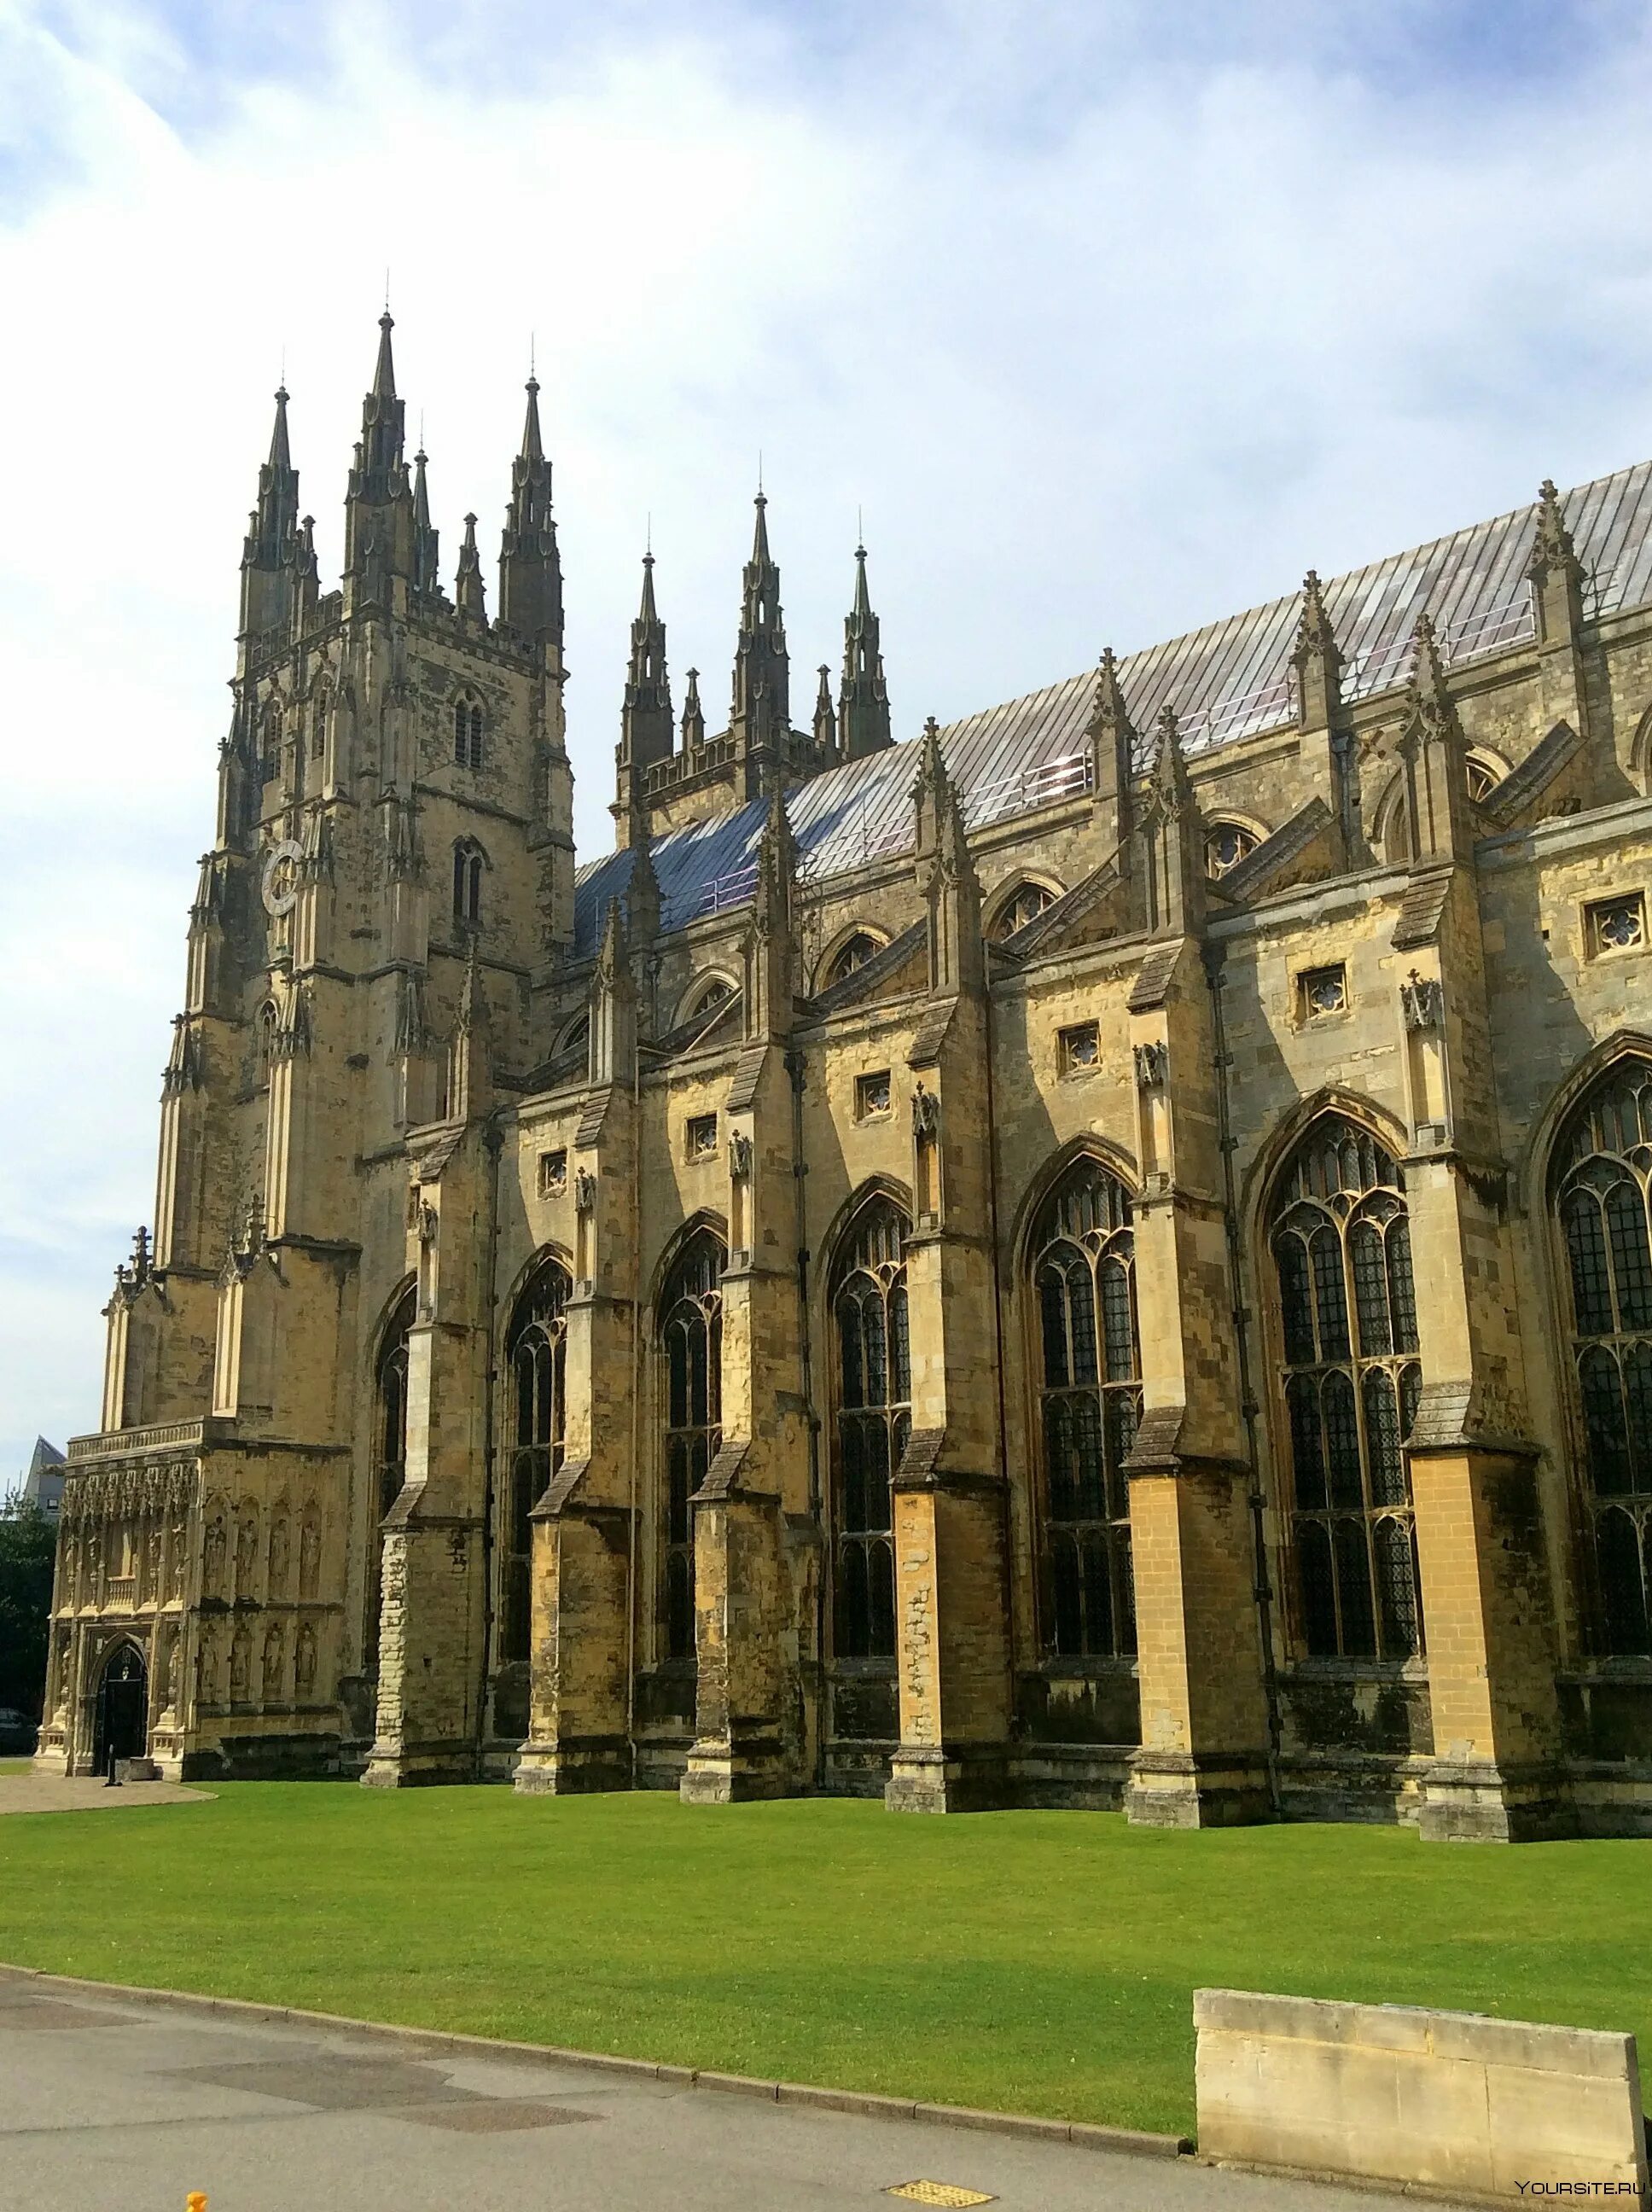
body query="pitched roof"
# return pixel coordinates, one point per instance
(1229, 680)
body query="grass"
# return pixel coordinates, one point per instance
(16, 1766)
(1040, 1962)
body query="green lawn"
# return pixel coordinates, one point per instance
(15, 1766)
(1041, 1962)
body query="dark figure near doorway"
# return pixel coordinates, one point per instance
(123, 1709)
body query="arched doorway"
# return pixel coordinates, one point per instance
(123, 1714)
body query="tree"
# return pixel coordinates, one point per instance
(28, 1544)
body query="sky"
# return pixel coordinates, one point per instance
(1110, 318)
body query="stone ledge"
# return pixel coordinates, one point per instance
(1082, 2134)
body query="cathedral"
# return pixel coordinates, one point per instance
(1096, 1256)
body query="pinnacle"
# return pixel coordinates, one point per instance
(280, 452)
(532, 447)
(384, 374)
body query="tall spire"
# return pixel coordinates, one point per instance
(269, 555)
(427, 571)
(863, 721)
(761, 715)
(378, 506)
(467, 587)
(645, 715)
(530, 572)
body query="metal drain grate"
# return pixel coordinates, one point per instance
(938, 2192)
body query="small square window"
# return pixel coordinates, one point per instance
(702, 1137)
(871, 1096)
(553, 1173)
(1616, 924)
(1080, 1049)
(1322, 992)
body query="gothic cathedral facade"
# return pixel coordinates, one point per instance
(1098, 1256)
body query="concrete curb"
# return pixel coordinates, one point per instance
(1080, 2132)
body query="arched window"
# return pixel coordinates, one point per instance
(1349, 1382)
(469, 861)
(264, 1039)
(318, 721)
(469, 723)
(1602, 1197)
(1090, 1403)
(1227, 844)
(576, 1037)
(854, 952)
(1024, 904)
(534, 1351)
(1485, 775)
(873, 1422)
(270, 744)
(704, 1003)
(389, 1469)
(691, 1338)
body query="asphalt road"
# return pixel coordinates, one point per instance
(107, 2105)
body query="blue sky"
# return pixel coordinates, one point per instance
(1113, 317)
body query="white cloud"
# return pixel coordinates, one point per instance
(1110, 331)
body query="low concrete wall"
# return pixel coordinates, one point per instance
(1450, 2100)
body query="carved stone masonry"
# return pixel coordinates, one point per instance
(584, 1191)
(1152, 1066)
(925, 1113)
(739, 1155)
(1422, 1001)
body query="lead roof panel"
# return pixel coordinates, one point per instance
(1229, 680)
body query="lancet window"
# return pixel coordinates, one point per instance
(1349, 1382)
(691, 1342)
(1090, 1405)
(469, 723)
(1602, 1196)
(873, 1422)
(535, 1355)
(469, 861)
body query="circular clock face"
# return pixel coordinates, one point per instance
(281, 868)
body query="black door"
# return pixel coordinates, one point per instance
(123, 1709)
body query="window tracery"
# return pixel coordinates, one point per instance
(1602, 1199)
(872, 1424)
(1090, 1404)
(535, 1351)
(1350, 1379)
(691, 1340)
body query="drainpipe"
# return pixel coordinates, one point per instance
(1214, 958)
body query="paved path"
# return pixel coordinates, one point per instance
(55, 1793)
(111, 2106)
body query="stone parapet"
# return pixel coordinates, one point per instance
(1452, 2101)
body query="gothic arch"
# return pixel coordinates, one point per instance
(525, 1272)
(1089, 1144)
(1273, 1154)
(842, 1224)
(840, 944)
(691, 1004)
(1390, 831)
(1021, 882)
(677, 1243)
(869, 1370)
(1640, 753)
(1332, 1284)
(1597, 1216)
(1537, 1160)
